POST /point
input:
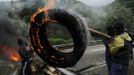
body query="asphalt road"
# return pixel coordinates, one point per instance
(91, 63)
(93, 55)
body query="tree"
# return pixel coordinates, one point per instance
(119, 13)
(127, 4)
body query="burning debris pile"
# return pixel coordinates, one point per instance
(9, 53)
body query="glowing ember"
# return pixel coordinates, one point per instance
(15, 57)
(10, 52)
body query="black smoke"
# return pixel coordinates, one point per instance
(8, 28)
(14, 20)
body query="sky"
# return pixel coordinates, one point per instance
(7, 0)
(96, 3)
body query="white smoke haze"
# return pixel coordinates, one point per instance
(97, 3)
(95, 16)
(7, 0)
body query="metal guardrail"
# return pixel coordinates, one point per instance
(70, 45)
(66, 72)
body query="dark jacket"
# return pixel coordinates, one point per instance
(107, 51)
(25, 55)
(122, 56)
(119, 49)
(132, 37)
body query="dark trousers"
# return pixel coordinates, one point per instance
(118, 69)
(108, 63)
(26, 68)
(131, 51)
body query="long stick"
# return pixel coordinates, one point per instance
(100, 34)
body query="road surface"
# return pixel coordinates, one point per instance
(91, 63)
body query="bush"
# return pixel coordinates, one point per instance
(56, 41)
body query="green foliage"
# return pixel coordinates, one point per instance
(127, 4)
(56, 41)
(58, 34)
(119, 13)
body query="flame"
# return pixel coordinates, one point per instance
(15, 57)
(10, 53)
(50, 5)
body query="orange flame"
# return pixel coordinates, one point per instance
(15, 57)
(50, 5)
(10, 52)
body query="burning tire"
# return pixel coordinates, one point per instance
(40, 43)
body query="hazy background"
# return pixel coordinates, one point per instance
(15, 16)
